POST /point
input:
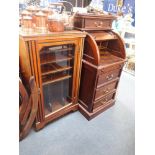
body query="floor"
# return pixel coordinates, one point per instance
(111, 133)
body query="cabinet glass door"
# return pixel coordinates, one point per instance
(57, 64)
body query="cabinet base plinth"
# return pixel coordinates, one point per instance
(55, 116)
(96, 112)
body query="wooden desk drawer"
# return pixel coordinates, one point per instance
(93, 22)
(111, 68)
(98, 24)
(103, 101)
(105, 89)
(108, 77)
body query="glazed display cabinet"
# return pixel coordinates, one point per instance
(55, 62)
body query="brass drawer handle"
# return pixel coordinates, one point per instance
(110, 77)
(105, 100)
(98, 24)
(95, 23)
(101, 23)
(106, 90)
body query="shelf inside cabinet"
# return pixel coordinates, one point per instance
(56, 49)
(48, 79)
(57, 96)
(50, 58)
(53, 68)
(57, 105)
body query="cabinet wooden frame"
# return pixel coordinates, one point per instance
(30, 47)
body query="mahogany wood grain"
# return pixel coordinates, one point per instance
(103, 60)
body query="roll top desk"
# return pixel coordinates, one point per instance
(102, 63)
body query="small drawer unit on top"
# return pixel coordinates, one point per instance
(91, 21)
(103, 60)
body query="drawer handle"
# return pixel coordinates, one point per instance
(98, 24)
(106, 99)
(106, 91)
(110, 77)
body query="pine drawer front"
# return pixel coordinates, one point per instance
(103, 101)
(105, 89)
(107, 77)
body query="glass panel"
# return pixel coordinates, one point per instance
(57, 63)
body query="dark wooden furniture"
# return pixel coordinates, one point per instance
(28, 107)
(103, 60)
(86, 22)
(54, 59)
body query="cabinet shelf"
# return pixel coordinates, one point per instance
(49, 58)
(57, 105)
(53, 68)
(55, 50)
(48, 80)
